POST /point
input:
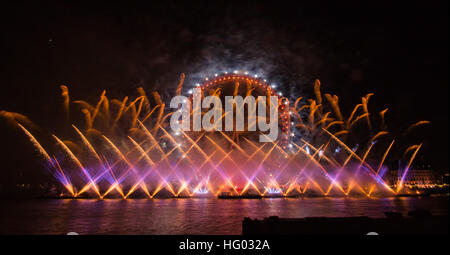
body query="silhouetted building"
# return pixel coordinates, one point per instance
(418, 176)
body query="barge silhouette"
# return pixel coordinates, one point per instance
(417, 222)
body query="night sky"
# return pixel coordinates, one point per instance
(397, 51)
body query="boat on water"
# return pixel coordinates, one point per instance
(231, 195)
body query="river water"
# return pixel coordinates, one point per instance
(186, 216)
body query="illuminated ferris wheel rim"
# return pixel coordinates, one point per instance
(236, 76)
(254, 81)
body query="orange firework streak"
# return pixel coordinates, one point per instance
(322, 119)
(78, 163)
(340, 171)
(206, 157)
(67, 184)
(300, 149)
(165, 156)
(144, 155)
(381, 164)
(236, 79)
(349, 150)
(356, 156)
(257, 170)
(200, 167)
(143, 186)
(314, 161)
(116, 184)
(285, 166)
(37, 144)
(400, 185)
(352, 182)
(236, 165)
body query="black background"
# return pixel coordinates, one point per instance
(278, 244)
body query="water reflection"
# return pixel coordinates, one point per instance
(186, 216)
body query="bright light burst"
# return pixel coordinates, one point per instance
(125, 148)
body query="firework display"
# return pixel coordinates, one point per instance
(125, 148)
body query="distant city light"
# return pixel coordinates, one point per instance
(273, 191)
